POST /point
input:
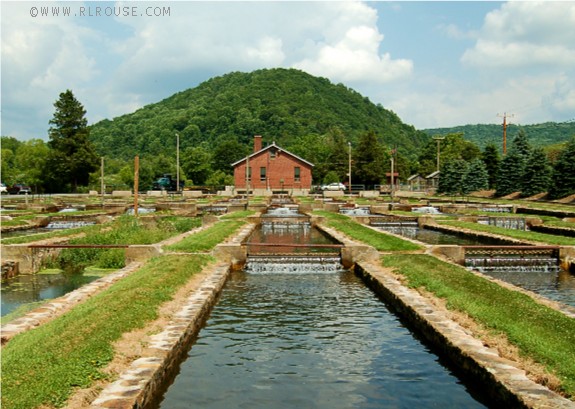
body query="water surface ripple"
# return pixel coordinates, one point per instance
(309, 341)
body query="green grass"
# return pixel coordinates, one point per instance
(124, 230)
(539, 332)
(52, 234)
(364, 234)
(43, 366)
(207, 239)
(238, 215)
(516, 234)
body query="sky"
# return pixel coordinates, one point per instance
(435, 64)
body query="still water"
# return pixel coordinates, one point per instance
(29, 288)
(307, 340)
(556, 286)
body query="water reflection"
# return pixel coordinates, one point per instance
(309, 341)
(552, 285)
(29, 288)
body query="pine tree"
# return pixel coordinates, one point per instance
(490, 157)
(563, 177)
(476, 178)
(537, 175)
(371, 160)
(509, 177)
(72, 156)
(451, 180)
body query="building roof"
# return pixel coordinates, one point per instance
(273, 145)
(417, 175)
(432, 175)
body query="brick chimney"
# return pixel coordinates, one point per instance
(257, 143)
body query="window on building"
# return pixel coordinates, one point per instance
(296, 173)
(249, 173)
(262, 174)
(272, 153)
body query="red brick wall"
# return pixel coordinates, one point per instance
(278, 168)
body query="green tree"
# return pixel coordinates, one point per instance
(452, 147)
(31, 159)
(72, 156)
(537, 175)
(219, 179)
(370, 160)
(476, 177)
(196, 162)
(563, 177)
(228, 151)
(510, 175)
(452, 177)
(492, 160)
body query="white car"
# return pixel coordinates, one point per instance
(334, 186)
(3, 188)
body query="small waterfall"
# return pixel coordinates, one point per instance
(141, 210)
(496, 209)
(426, 210)
(293, 264)
(215, 209)
(512, 258)
(515, 223)
(355, 211)
(283, 212)
(510, 264)
(68, 225)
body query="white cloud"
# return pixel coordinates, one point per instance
(521, 34)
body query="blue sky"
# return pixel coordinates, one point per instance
(435, 64)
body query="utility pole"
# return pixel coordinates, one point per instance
(504, 116)
(438, 139)
(177, 163)
(136, 179)
(392, 172)
(349, 168)
(102, 187)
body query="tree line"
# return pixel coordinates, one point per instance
(70, 161)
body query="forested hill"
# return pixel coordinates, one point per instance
(287, 106)
(549, 133)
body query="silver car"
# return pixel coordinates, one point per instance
(334, 186)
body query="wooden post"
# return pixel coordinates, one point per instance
(136, 176)
(102, 187)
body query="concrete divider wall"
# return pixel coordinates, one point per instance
(498, 378)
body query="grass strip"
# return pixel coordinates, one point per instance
(364, 234)
(207, 239)
(43, 366)
(516, 234)
(56, 233)
(240, 214)
(540, 332)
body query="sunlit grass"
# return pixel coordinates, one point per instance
(540, 332)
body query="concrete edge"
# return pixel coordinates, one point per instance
(146, 379)
(499, 377)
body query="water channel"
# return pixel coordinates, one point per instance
(309, 340)
(543, 277)
(308, 335)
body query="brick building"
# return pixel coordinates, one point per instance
(272, 169)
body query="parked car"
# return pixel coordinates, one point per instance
(19, 189)
(3, 188)
(334, 186)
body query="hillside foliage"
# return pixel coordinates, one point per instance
(540, 135)
(287, 106)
